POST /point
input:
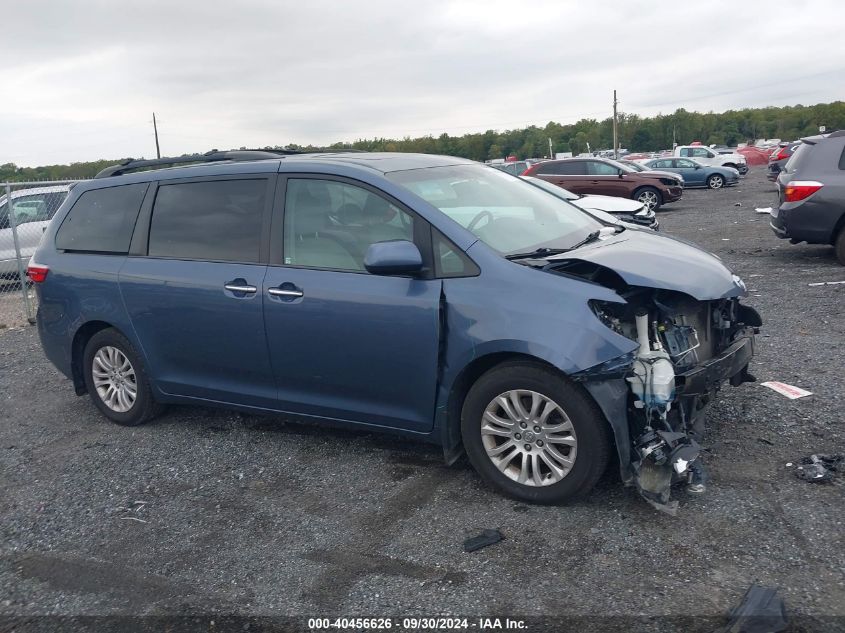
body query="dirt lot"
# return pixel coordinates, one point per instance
(207, 511)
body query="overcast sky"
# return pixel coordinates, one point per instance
(80, 79)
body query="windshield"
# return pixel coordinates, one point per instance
(632, 165)
(508, 214)
(621, 165)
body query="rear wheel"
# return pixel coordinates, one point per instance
(534, 435)
(116, 379)
(715, 182)
(649, 197)
(839, 245)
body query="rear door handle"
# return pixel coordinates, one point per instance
(241, 288)
(278, 292)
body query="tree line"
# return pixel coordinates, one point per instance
(636, 133)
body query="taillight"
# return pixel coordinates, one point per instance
(37, 273)
(796, 190)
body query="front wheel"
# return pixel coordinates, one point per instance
(715, 182)
(534, 435)
(649, 197)
(116, 380)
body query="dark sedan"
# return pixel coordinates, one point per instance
(696, 174)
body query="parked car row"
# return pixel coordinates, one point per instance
(610, 178)
(428, 296)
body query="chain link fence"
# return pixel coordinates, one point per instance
(26, 209)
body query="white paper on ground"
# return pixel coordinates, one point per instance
(827, 283)
(763, 209)
(786, 390)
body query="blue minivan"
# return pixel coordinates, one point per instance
(429, 296)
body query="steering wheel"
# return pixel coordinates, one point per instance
(480, 216)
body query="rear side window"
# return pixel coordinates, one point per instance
(842, 159)
(795, 159)
(102, 220)
(564, 168)
(218, 220)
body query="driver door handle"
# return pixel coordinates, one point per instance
(241, 288)
(278, 292)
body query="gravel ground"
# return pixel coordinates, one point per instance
(206, 511)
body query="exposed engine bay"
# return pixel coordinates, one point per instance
(686, 349)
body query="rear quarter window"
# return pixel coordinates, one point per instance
(102, 220)
(842, 159)
(797, 157)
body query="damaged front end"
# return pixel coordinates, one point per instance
(655, 397)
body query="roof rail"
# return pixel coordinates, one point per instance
(131, 164)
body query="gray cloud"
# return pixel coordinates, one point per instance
(81, 79)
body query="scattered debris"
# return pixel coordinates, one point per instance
(786, 390)
(763, 209)
(132, 519)
(819, 468)
(737, 204)
(763, 440)
(726, 239)
(486, 538)
(761, 611)
(827, 283)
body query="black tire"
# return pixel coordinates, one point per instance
(715, 181)
(839, 246)
(648, 194)
(590, 430)
(144, 407)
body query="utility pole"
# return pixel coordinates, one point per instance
(615, 133)
(551, 150)
(155, 129)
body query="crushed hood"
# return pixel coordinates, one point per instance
(651, 260)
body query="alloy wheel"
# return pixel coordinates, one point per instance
(529, 437)
(114, 379)
(649, 199)
(716, 182)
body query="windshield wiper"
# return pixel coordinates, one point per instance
(540, 252)
(546, 252)
(595, 235)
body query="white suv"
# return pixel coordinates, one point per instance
(33, 209)
(707, 156)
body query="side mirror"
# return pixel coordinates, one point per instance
(621, 174)
(397, 257)
(697, 166)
